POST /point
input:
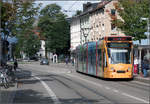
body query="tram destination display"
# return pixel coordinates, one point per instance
(122, 45)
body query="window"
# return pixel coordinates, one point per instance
(113, 26)
(99, 58)
(113, 12)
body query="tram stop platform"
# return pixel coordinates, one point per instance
(139, 77)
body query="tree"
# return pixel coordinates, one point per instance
(78, 12)
(131, 12)
(7, 17)
(23, 29)
(54, 28)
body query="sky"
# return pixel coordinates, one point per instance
(70, 6)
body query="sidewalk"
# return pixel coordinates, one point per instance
(7, 95)
(138, 77)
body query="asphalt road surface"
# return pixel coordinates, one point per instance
(60, 84)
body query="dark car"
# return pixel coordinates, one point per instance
(44, 62)
(34, 58)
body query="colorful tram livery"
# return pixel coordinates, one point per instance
(111, 57)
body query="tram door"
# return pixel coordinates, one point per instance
(104, 62)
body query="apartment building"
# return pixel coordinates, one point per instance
(95, 22)
(75, 33)
(101, 20)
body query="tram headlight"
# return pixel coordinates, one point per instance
(112, 69)
(129, 69)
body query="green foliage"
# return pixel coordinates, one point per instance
(17, 20)
(8, 13)
(131, 12)
(31, 49)
(54, 28)
(27, 41)
(78, 12)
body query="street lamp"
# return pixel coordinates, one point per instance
(85, 32)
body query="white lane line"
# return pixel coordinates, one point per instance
(115, 90)
(107, 88)
(135, 98)
(50, 92)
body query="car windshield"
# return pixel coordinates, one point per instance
(119, 55)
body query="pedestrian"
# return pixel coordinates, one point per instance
(66, 60)
(72, 61)
(145, 67)
(136, 65)
(15, 64)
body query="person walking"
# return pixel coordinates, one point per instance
(15, 64)
(145, 67)
(72, 61)
(136, 65)
(66, 60)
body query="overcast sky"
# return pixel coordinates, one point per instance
(70, 6)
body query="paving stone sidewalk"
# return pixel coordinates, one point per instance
(140, 78)
(7, 95)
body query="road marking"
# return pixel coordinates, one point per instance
(115, 90)
(135, 97)
(50, 92)
(107, 88)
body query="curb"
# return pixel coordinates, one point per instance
(144, 80)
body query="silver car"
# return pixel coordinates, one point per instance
(44, 62)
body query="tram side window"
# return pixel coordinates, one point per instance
(80, 58)
(99, 57)
(84, 56)
(91, 56)
(94, 56)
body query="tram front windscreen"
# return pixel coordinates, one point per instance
(119, 53)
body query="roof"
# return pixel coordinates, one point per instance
(96, 6)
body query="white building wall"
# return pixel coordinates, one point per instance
(75, 33)
(42, 49)
(100, 22)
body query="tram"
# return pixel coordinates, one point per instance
(111, 57)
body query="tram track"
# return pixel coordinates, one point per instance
(89, 89)
(135, 85)
(92, 90)
(67, 82)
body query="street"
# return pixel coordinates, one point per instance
(60, 84)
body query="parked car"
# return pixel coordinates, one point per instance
(34, 58)
(44, 62)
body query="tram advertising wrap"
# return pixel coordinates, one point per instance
(111, 57)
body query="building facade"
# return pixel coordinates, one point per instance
(95, 22)
(101, 21)
(75, 33)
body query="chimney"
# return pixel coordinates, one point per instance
(85, 6)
